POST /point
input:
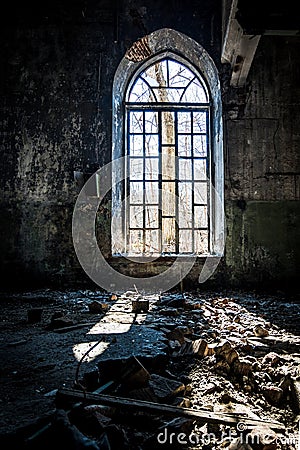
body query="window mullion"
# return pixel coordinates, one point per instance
(144, 185)
(160, 182)
(193, 184)
(127, 234)
(176, 185)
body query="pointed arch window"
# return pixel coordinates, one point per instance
(171, 128)
(167, 111)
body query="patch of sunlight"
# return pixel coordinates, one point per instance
(110, 328)
(80, 349)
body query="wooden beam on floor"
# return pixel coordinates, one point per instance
(163, 409)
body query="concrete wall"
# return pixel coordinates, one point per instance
(263, 169)
(57, 65)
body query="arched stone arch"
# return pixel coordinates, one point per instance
(173, 44)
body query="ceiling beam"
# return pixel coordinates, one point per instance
(238, 49)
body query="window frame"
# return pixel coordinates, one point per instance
(200, 63)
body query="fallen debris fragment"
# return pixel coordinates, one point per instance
(165, 388)
(159, 408)
(295, 394)
(96, 307)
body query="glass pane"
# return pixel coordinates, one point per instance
(168, 163)
(157, 74)
(200, 147)
(185, 192)
(199, 169)
(151, 122)
(184, 145)
(168, 235)
(136, 216)
(152, 241)
(136, 168)
(136, 192)
(151, 192)
(136, 122)
(184, 122)
(185, 169)
(185, 205)
(140, 92)
(168, 128)
(200, 216)
(185, 216)
(179, 75)
(151, 216)
(151, 145)
(151, 168)
(136, 145)
(168, 199)
(136, 241)
(201, 241)
(173, 95)
(195, 93)
(185, 241)
(199, 122)
(200, 193)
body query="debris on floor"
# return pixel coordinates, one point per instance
(194, 370)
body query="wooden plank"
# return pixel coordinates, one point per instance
(163, 409)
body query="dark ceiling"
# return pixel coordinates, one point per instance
(266, 16)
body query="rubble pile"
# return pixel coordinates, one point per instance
(177, 370)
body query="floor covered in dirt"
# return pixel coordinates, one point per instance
(182, 369)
